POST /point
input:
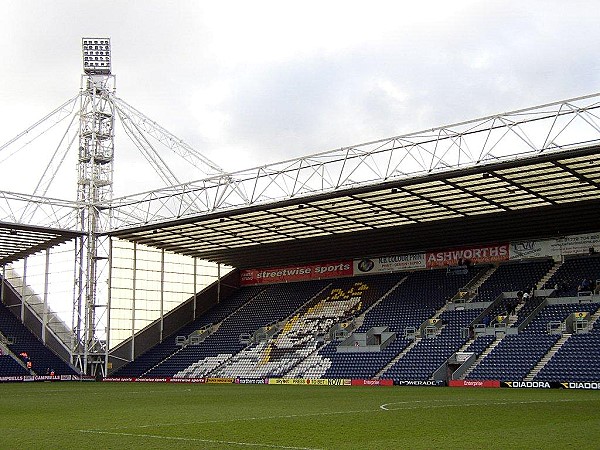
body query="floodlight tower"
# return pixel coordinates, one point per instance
(94, 185)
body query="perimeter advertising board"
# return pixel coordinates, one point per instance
(20, 378)
(436, 383)
(474, 383)
(595, 385)
(362, 382)
(153, 380)
(311, 381)
(219, 380)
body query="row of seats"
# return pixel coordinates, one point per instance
(9, 367)
(21, 340)
(255, 313)
(570, 274)
(298, 337)
(311, 309)
(397, 300)
(513, 277)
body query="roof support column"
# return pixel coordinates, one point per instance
(218, 283)
(3, 282)
(45, 312)
(133, 286)
(162, 294)
(23, 289)
(108, 300)
(195, 288)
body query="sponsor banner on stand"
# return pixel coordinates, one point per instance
(474, 383)
(579, 244)
(475, 255)
(385, 264)
(118, 379)
(361, 382)
(580, 385)
(420, 383)
(530, 384)
(296, 273)
(532, 249)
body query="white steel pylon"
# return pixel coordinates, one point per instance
(99, 108)
(95, 167)
(91, 118)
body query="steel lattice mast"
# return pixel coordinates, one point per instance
(95, 167)
(91, 128)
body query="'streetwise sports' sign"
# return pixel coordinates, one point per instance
(296, 273)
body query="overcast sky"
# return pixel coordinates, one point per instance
(252, 82)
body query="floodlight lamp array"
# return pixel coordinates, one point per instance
(96, 56)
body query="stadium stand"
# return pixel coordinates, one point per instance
(9, 367)
(302, 346)
(568, 277)
(21, 340)
(513, 277)
(430, 352)
(516, 355)
(297, 330)
(168, 347)
(301, 334)
(576, 360)
(255, 312)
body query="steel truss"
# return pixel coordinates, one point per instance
(518, 134)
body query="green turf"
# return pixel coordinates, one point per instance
(156, 416)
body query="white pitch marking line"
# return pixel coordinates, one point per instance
(243, 419)
(52, 392)
(210, 441)
(454, 405)
(383, 407)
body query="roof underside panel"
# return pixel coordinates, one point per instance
(546, 195)
(19, 241)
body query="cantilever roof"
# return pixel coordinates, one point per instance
(544, 195)
(519, 175)
(18, 241)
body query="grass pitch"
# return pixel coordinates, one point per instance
(166, 416)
